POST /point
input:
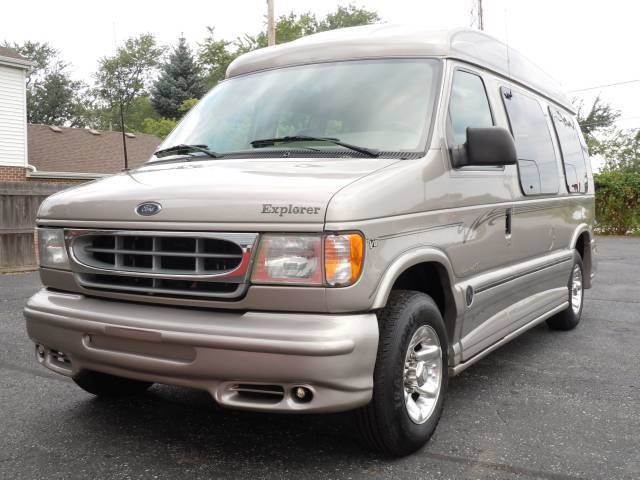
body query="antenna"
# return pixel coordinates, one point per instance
(124, 137)
(118, 76)
(506, 35)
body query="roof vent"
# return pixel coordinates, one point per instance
(130, 135)
(94, 132)
(53, 128)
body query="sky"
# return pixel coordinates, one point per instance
(582, 43)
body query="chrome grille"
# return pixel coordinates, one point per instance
(162, 263)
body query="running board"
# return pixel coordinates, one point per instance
(464, 365)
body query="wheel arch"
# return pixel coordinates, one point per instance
(414, 270)
(581, 241)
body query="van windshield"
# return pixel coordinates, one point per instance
(384, 105)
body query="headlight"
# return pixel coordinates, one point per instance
(289, 259)
(334, 260)
(53, 253)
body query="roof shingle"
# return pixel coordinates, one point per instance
(78, 150)
(10, 53)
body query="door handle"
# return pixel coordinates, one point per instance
(507, 222)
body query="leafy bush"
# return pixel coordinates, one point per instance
(618, 202)
(160, 127)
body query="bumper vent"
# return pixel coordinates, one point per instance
(188, 264)
(260, 393)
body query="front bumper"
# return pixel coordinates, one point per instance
(218, 351)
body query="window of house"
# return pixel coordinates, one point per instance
(469, 105)
(575, 168)
(537, 164)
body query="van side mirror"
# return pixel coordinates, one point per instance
(488, 146)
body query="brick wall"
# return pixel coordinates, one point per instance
(68, 181)
(19, 174)
(13, 174)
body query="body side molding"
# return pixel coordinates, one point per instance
(464, 365)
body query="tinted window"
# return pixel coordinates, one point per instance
(469, 106)
(536, 159)
(575, 168)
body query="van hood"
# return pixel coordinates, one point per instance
(212, 191)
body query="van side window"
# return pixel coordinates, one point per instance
(575, 168)
(537, 163)
(469, 105)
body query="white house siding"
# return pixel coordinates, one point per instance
(13, 117)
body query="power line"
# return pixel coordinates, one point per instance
(605, 86)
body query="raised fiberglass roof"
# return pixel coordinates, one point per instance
(402, 41)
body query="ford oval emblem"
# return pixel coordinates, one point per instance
(147, 209)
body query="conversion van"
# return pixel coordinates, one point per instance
(343, 223)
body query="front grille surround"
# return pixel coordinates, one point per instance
(162, 263)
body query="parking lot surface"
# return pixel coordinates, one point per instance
(549, 405)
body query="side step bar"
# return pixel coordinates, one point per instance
(464, 365)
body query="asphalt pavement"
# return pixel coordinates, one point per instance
(549, 405)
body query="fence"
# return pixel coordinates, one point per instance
(19, 202)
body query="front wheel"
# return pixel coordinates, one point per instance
(410, 376)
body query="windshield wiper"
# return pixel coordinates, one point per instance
(266, 142)
(182, 148)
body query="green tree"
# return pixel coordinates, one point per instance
(160, 127)
(127, 75)
(596, 122)
(618, 202)
(140, 110)
(621, 150)
(180, 79)
(349, 16)
(188, 104)
(215, 54)
(52, 95)
(293, 26)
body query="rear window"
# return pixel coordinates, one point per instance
(537, 165)
(575, 168)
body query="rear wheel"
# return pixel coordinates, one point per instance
(570, 318)
(410, 376)
(105, 385)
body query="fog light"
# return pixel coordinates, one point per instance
(302, 394)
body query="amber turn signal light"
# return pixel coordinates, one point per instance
(343, 258)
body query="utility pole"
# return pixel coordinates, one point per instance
(271, 25)
(480, 16)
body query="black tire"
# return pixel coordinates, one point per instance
(105, 385)
(569, 319)
(384, 424)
